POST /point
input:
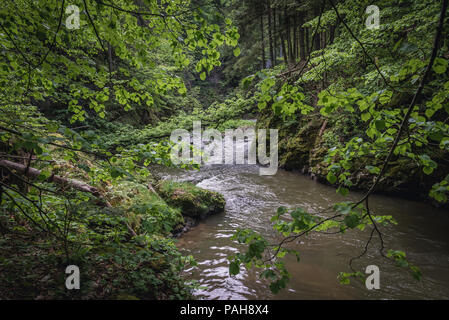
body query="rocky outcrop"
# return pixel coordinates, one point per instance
(296, 151)
(194, 202)
(304, 144)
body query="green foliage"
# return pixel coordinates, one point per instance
(345, 277)
(219, 115)
(440, 190)
(126, 60)
(400, 259)
(142, 63)
(270, 258)
(285, 99)
(362, 99)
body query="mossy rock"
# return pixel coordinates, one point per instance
(193, 201)
(146, 211)
(295, 152)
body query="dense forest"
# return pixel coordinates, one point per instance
(92, 90)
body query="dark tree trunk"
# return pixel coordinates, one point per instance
(284, 53)
(110, 57)
(317, 41)
(288, 35)
(306, 31)
(332, 34)
(275, 41)
(295, 37)
(282, 37)
(270, 33)
(263, 43)
(302, 40)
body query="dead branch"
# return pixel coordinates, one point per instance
(34, 173)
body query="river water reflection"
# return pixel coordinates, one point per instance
(251, 200)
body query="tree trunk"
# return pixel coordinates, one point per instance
(288, 35)
(306, 31)
(284, 53)
(34, 173)
(295, 36)
(275, 41)
(270, 33)
(323, 40)
(282, 37)
(332, 34)
(317, 40)
(263, 43)
(302, 43)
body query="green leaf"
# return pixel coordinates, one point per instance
(269, 274)
(365, 116)
(416, 272)
(343, 191)
(352, 220)
(237, 51)
(344, 278)
(429, 113)
(372, 169)
(380, 125)
(427, 170)
(343, 208)
(331, 178)
(247, 81)
(45, 174)
(234, 268)
(385, 97)
(440, 65)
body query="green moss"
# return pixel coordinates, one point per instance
(147, 211)
(295, 152)
(192, 201)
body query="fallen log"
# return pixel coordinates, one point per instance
(75, 184)
(34, 173)
(150, 187)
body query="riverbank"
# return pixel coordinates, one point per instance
(305, 145)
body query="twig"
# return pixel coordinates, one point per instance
(362, 46)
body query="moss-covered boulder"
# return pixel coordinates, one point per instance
(295, 151)
(145, 210)
(191, 200)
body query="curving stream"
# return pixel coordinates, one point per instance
(251, 200)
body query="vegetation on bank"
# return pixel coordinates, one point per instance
(73, 188)
(192, 201)
(118, 230)
(85, 112)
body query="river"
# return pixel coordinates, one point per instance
(422, 232)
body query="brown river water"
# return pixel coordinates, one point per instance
(251, 200)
